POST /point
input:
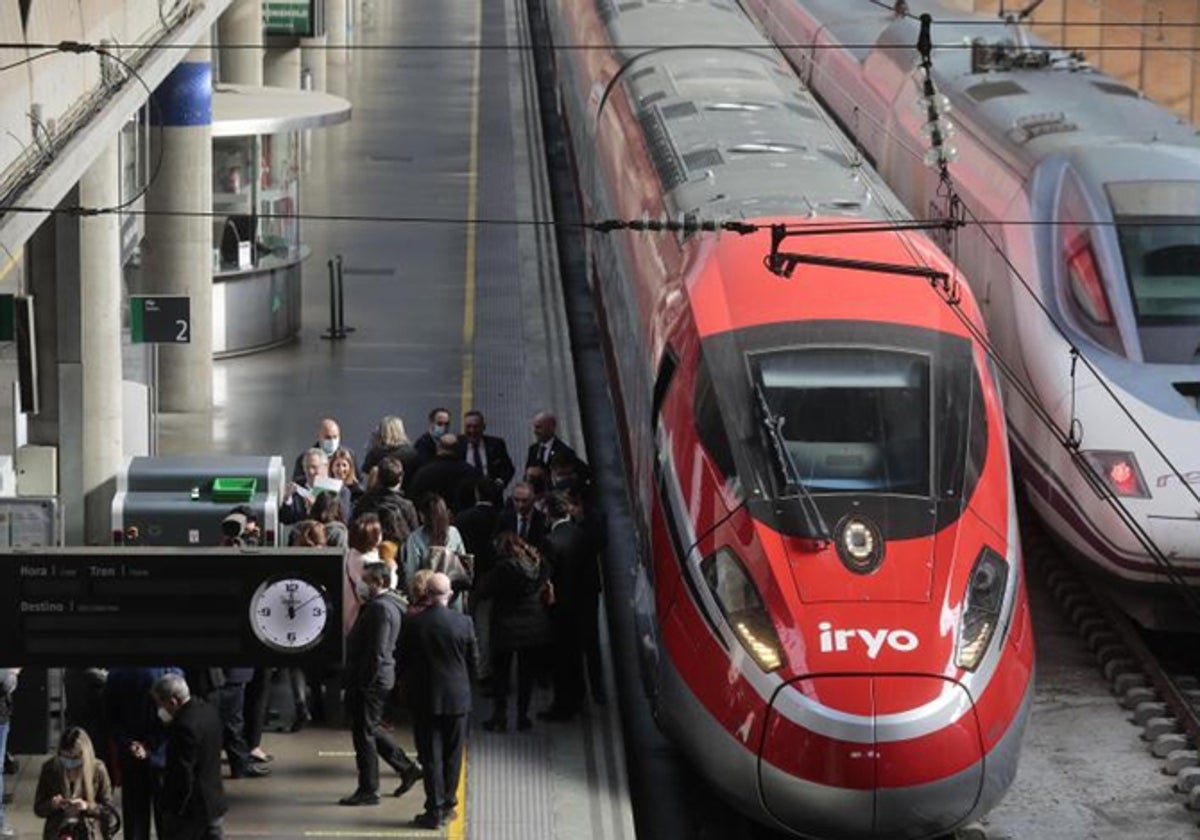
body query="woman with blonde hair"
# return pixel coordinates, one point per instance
(390, 440)
(73, 787)
(341, 466)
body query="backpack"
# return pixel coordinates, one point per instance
(460, 568)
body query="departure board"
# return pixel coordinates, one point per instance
(202, 607)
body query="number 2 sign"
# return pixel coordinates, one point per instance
(160, 319)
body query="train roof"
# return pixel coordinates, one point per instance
(731, 131)
(1055, 103)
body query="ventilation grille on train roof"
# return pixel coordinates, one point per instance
(662, 152)
(678, 109)
(994, 90)
(702, 159)
(1116, 89)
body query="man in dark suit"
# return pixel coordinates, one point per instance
(193, 795)
(447, 474)
(477, 525)
(566, 549)
(487, 454)
(426, 444)
(439, 654)
(522, 518)
(141, 743)
(370, 676)
(546, 442)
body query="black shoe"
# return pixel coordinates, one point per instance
(495, 724)
(301, 718)
(254, 771)
(360, 797)
(11, 765)
(449, 815)
(265, 758)
(428, 820)
(407, 779)
(524, 724)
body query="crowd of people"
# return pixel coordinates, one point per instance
(455, 576)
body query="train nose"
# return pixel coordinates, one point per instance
(871, 756)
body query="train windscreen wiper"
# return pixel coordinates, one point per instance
(793, 485)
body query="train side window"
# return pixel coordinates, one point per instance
(710, 425)
(666, 373)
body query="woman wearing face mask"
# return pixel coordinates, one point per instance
(73, 786)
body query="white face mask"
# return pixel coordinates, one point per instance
(164, 716)
(329, 445)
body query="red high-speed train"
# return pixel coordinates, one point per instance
(832, 611)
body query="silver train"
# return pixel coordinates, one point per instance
(1093, 194)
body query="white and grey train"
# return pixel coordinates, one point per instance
(1092, 193)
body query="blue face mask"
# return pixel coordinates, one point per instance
(439, 430)
(71, 763)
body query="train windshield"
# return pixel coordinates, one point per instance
(855, 420)
(1160, 247)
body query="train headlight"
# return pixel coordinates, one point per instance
(985, 597)
(742, 607)
(1119, 472)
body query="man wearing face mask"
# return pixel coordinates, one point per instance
(426, 444)
(193, 794)
(328, 440)
(371, 675)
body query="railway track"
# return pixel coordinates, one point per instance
(1156, 679)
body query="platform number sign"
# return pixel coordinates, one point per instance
(158, 319)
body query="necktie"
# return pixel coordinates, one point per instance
(522, 527)
(546, 453)
(480, 461)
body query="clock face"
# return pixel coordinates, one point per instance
(289, 614)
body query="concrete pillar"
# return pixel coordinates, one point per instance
(53, 280)
(240, 24)
(336, 26)
(314, 60)
(100, 342)
(281, 67)
(177, 252)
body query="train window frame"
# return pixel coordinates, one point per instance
(932, 477)
(1073, 238)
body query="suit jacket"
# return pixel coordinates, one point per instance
(535, 458)
(440, 658)
(447, 476)
(477, 524)
(371, 645)
(193, 794)
(130, 711)
(566, 546)
(538, 527)
(499, 465)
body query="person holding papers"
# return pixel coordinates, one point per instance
(299, 496)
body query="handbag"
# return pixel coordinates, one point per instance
(459, 567)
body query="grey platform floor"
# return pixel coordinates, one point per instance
(451, 134)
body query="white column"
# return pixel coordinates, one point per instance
(336, 24)
(281, 67)
(241, 24)
(100, 342)
(177, 253)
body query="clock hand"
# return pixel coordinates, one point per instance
(310, 600)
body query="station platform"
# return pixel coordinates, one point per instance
(446, 314)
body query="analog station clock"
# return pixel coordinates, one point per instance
(289, 614)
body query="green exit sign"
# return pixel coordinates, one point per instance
(300, 18)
